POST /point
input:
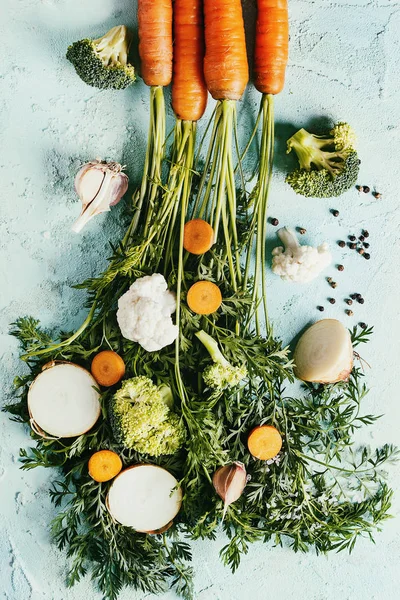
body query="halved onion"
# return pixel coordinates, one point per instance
(145, 497)
(62, 400)
(324, 353)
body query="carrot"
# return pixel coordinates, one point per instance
(225, 64)
(189, 92)
(104, 465)
(198, 236)
(108, 368)
(264, 442)
(155, 41)
(271, 48)
(204, 297)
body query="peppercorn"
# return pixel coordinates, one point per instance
(365, 233)
(361, 238)
(377, 195)
(363, 325)
(349, 313)
(302, 231)
(329, 279)
(353, 245)
(340, 268)
(331, 300)
(321, 308)
(352, 238)
(367, 256)
(367, 189)
(354, 296)
(361, 251)
(366, 245)
(274, 221)
(335, 212)
(333, 284)
(348, 301)
(341, 243)
(360, 188)
(360, 300)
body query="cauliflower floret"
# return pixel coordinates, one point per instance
(297, 263)
(144, 313)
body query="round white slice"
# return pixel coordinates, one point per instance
(324, 353)
(144, 497)
(62, 400)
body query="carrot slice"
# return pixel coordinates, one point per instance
(198, 236)
(108, 368)
(204, 297)
(104, 465)
(264, 442)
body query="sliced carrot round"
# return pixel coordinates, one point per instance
(264, 442)
(198, 236)
(104, 465)
(204, 297)
(108, 368)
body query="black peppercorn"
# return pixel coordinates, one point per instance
(365, 233)
(353, 245)
(335, 212)
(341, 243)
(321, 308)
(366, 245)
(377, 195)
(360, 188)
(361, 238)
(360, 251)
(349, 313)
(352, 238)
(274, 221)
(340, 268)
(367, 256)
(363, 325)
(354, 296)
(367, 189)
(360, 300)
(348, 301)
(302, 231)
(331, 300)
(333, 284)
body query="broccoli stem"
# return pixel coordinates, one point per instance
(288, 238)
(113, 47)
(212, 347)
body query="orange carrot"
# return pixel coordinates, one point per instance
(198, 236)
(225, 63)
(204, 297)
(155, 41)
(264, 442)
(104, 465)
(189, 92)
(271, 49)
(108, 368)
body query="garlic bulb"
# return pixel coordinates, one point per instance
(324, 353)
(99, 185)
(229, 482)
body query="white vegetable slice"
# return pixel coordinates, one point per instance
(324, 353)
(62, 400)
(144, 497)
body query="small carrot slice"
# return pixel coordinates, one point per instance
(204, 297)
(264, 442)
(104, 465)
(108, 368)
(198, 236)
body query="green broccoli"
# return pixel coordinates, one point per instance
(141, 418)
(329, 164)
(221, 374)
(103, 63)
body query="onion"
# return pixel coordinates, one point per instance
(145, 497)
(324, 353)
(62, 401)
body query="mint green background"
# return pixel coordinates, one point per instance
(344, 59)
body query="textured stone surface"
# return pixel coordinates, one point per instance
(343, 65)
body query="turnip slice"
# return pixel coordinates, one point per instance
(62, 400)
(324, 353)
(144, 497)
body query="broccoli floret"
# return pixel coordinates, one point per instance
(329, 164)
(141, 418)
(221, 374)
(103, 63)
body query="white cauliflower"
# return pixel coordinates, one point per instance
(144, 313)
(297, 263)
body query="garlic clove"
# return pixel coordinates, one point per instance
(99, 185)
(229, 482)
